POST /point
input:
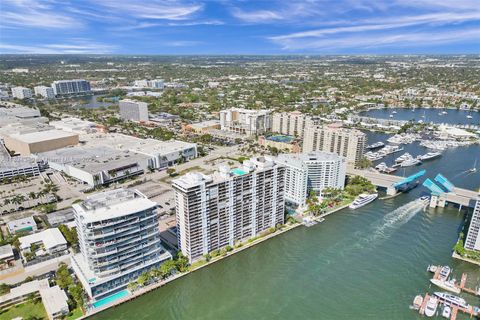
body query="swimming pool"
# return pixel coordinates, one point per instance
(280, 138)
(110, 299)
(238, 172)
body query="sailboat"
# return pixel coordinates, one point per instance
(474, 169)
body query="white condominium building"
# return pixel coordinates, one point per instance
(133, 110)
(348, 143)
(46, 92)
(289, 123)
(61, 87)
(312, 171)
(119, 239)
(245, 121)
(472, 242)
(217, 210)
(21, 92)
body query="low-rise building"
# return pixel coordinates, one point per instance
(27, 143)
(119, 239)
(95, 165)
(49, 242)
(27, 224)
(55, 301)
(203, 127)
(16, 166)
(7, 257)
(280, 142)
(21, 92)
(75, 125)
(314, 171)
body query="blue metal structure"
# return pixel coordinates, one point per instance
(409, 179)
(432, 187)
(444, 182)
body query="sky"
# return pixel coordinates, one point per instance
(281, 27)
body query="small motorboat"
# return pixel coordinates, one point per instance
(447, 311)
(445, 272)
(417, 302)
(431, 307)
(432, 269)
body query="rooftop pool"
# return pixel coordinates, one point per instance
(110, 299)
(280, 138)
(238, 172)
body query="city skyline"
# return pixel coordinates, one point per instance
(240, 27)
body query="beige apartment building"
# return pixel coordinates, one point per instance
(348, 143)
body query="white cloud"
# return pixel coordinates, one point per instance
(259, 16)
(396, 39)
(152, 9)
(73, 47)
(34, 14)
(182, 43)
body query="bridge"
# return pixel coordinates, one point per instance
(449, 193)
(390, 182)
(439, 196)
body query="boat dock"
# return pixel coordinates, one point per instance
(461, 285)
(455, 309)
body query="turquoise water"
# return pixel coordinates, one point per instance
(362, 264)
(238, 172)
(110, 299)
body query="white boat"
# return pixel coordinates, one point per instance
(445, 272)
(391, 116)
(451, 300)
(446, 285)
(362, 200)
(429, 156)
(431, 307)
(411, 162)
(432, 268)
(469, 117)
(394, 112)
(376, 145)
(403, 157)
(474, 168)
(381, 166)
(417, 302)
(447, 311)
(444, 112)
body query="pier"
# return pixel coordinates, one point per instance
(461, 285)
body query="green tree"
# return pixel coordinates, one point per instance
(62, 276)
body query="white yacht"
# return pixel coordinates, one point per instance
(429, 156)
(381, 166)
(469, 117)
(474, 168)
(362, 200)
(431, 307)
(376, 145)
(450, 299)
(394, 112)
(403, 157)
(446, 285)
(410, 162)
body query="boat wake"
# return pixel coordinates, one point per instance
(391, 221)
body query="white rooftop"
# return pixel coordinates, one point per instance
(55, 300)
(298, 159)
(40, 136)
(112, 204)
(19, 224)
(50, 239)
(6, 251)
